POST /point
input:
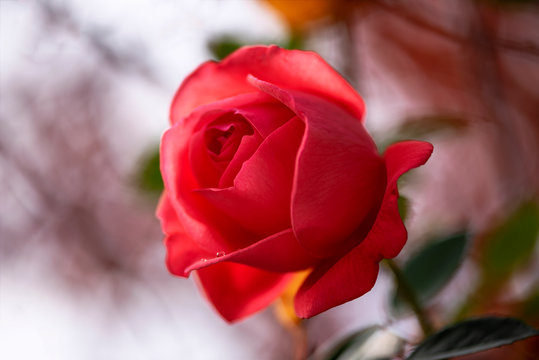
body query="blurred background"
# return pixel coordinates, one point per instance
(85, 89)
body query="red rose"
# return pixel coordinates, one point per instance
(268, 170)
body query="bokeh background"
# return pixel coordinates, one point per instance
(85, 88)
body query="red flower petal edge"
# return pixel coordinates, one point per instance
(355, 273)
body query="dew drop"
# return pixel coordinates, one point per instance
(203, 259)
(220, 253)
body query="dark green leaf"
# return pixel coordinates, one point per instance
(471, 336)
(428, 271)
(511, 243)
(149, 175)
(530, 308)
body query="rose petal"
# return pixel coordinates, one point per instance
(339, 178)
(291, 69)
(182, 251)
(167, 215)
(201, 222)
(355, 273)
(266, 116)
(280, 253)
(260, 198)
(248, 146)
(237, 291)
(208, 169)
(399, 158)
(335, 283)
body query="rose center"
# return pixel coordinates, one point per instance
(217, 139)
(223, 136)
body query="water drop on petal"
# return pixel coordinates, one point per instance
(220, 253)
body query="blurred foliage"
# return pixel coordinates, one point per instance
(373, 342)
(472, 336)
(505, 248)
(530, 307)
(421, 127)
(510, 244)
(404, 205)
(431, 268)
(222, 46)
(429, 124)
(148, 176)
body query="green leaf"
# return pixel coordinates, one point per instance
(421, 127)
(472, 336)
(223, 46)
(428, 271)
(530, 308)
(359, 337)
(403, 204)
(295, 41)
(366, 344)
(149, 175)
(511, 243)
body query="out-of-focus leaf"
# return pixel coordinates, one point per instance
(421, 127)
(530, 308)
(511, 243)
(366, 344)
(149, 176)
(381, 345)
(403, 204)
(223, 46)
(295, 41)
(428, 271)
(359, 337)
(472, 336)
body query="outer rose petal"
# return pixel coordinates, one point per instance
(355, 273)
(237, 291)
(339, 178)
(291, 69)
(279, 253)
(182, 251)
(193, 213)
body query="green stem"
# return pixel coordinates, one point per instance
(409, 295)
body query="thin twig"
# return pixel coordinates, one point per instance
(402, 12)
(409, 295)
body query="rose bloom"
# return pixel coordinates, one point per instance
(268, 170)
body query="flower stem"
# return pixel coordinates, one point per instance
(300, 342)
(409, 295)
